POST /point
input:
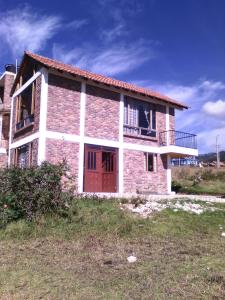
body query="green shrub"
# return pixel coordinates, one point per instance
(28, 193)
(176, 186)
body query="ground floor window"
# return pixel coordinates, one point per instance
(150, 162)
(23, 156)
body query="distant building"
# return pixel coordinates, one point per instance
(187, 161)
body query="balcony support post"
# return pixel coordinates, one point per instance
(167, 125)
(169, 177)
(0, 130)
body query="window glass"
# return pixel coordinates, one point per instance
(149, 162)
(23, 156)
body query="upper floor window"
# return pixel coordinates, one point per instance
(139, 118)
(25, 107)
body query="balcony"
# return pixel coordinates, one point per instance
(25, 122)
(178, 143)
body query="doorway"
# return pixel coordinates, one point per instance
(100, 169)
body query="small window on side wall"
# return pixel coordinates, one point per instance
(149, 162)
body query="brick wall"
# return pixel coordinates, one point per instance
(102, 113)
(9, 79)
(57, 150)
(137, 179)
(63, 105)
(172, 118)
(3, 160)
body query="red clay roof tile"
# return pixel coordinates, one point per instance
(101, 79)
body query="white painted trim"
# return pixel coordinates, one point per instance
(167, 125)
(120, 162)
(82, 127)
(101, 142)
(62, 136)
(43, 116)
(143, 148)
(26, 84)
(3, 151)
(25, 140)
(10, 131)
(7, 73)
(178, 150)
(0, 129)
(169, 177)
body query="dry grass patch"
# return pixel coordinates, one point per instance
(179, 256)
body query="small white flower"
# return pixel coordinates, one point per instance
(223, 234)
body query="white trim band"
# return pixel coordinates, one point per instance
(26, 84)
(25, 140)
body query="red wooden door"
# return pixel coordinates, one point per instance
(100, 169)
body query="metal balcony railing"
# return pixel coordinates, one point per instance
(139, 131)
(25, 122)
(178, 138)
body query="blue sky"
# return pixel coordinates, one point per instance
(176, 47)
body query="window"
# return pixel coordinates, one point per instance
(149, 162)
(91, 160)
(25, 107)
(139, 118)
(23, 156)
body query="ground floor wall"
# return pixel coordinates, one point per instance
(3, 160)
(136, 177)
(59, 150)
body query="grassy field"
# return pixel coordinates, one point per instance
(195, 180)
(83, 255)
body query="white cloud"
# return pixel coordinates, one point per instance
(111, 60)
(216, 108)
(76, 24)
(108, 35)
(24, 29)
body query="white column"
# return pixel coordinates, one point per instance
(0, 131)
(167, 125)
(43, 116)
(121, 166)
(82, 127)
(169, 177)
(10, 130)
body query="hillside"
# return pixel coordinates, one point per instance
(209, 157)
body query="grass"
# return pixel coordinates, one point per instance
(211, 181)
(83, 255)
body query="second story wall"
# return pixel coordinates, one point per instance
(63, 105)
(102, 113)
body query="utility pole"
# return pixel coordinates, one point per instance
(217, 153)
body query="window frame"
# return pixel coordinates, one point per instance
(30, 156)
(130, 106)
(19, 105)
(154, 168)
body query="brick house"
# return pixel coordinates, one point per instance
(115, 136)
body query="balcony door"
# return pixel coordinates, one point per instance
(100, 169)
